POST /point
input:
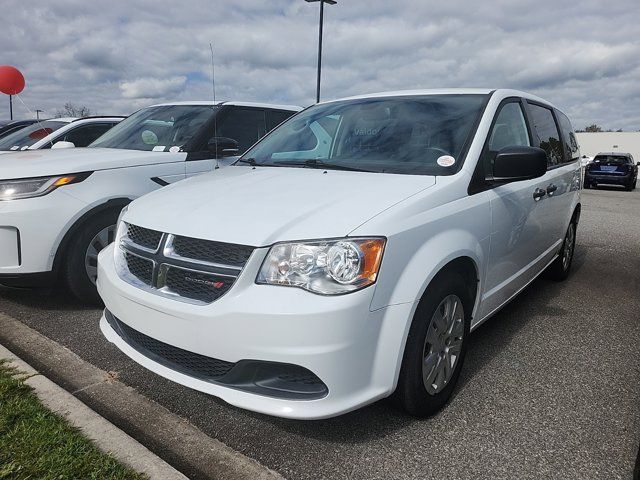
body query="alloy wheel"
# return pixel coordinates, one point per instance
(443, 344)
(569, 243)
(103, 238)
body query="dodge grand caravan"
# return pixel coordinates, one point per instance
(58, 208)
(346, 256)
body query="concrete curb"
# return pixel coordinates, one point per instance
(169, 436)
(106, 436)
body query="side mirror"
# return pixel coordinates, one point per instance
(62, 144)
(513, 164)
(224, 147)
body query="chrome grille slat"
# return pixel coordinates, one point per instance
(186, 276)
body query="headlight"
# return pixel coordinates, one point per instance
(328, 267)
(36, 187)
(121, 230)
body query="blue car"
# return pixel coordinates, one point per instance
(613, 168)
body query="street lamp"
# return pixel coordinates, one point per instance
(322, 2)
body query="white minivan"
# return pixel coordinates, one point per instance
(347, 255)
(58, 207)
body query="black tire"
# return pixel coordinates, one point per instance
(631, 186)
(74, 272)
(559, 270)
(586, 185)
(411, 393)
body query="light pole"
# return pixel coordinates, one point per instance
(38, 113)
(322, 2)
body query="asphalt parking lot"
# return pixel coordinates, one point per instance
(550, 388)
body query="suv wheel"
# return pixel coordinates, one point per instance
(81, 266)
(561, 266)
(436, 346)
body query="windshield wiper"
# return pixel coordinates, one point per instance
(250, 161)
(315, 163)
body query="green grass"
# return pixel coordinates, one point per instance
(38, 444)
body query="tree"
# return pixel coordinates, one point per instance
(72, 110)
(593, 128)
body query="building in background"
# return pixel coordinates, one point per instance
(592, 143)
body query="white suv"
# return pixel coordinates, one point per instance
(348, 254)
(58, 208)
(65, 132)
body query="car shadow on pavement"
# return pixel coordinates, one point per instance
(48, 299)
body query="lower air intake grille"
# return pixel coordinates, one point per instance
(190, 363)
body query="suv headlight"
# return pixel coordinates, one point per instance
(327, 267)
(36, 187)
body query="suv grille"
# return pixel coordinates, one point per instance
(186, 269)
(213, 252)
(143, 236)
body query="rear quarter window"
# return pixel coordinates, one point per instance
(571, 147)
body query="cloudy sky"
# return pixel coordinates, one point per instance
(116, 56)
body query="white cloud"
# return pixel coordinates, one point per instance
(118, 56)
(153, 87)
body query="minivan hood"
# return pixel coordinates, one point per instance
(263, 205)
(40, 163)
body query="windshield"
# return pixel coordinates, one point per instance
(27, 136)
(407, 135)
(157, 128)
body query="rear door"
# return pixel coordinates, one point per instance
(246, 125)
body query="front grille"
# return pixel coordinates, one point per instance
(144, 237)
(190, 363)
(141, 268)
(213, 252)
(205, 287)
(182, 268)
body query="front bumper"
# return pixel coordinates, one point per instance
(30, 231)
(355, 352)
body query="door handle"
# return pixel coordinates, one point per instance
(538, 193)
(551, 188)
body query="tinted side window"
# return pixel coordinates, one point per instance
(276, 117)
(546, 131)
(245, 125)
(509, 129)
(571, 149)
(85, 134)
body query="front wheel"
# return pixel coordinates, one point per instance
(436, 346)
(81, 264)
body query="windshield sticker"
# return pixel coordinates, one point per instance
(446, 161)
(174, 149)
(158, 148)
(149, 137)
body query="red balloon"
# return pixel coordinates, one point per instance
(11, 80)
